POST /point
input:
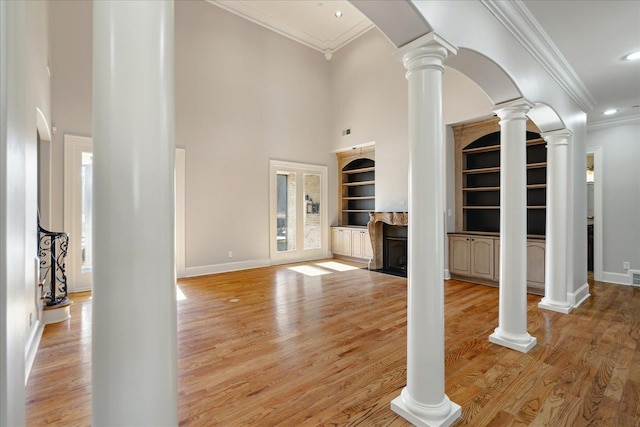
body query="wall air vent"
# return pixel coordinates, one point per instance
(634, 276)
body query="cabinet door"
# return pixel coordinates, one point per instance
(482, 257)
(335, 241)
(535, 264)
(345, 241)
(459, 255)
(356, 243)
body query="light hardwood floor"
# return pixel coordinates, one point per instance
(328, 350)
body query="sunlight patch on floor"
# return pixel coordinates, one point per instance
(309, 270)
(179, 294)
(336, 266)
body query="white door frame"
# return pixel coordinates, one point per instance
(73, 145)
(300, 254)
(180, 186)
(597, 211)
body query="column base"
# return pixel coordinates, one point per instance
(423, 419)
(559, 306)
(56, 313)
(522, 343)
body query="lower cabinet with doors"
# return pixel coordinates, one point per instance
(476, 258)
(351, 242)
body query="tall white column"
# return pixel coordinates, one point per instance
(512, 325)
(556, 261)
(423, 401)
(134, 346)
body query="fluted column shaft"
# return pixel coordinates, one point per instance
(423, 401)
(512, 327)
(555, 288)
(134, 344)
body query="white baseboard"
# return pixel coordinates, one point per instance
(579, 296)
(447, 274)
(619, 278)
(223, 268)
(33, 342)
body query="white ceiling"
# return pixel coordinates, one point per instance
(592, 35)
(310, 22)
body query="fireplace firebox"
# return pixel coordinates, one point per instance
(394, 241)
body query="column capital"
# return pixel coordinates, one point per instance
(427, 52)
(557, 137)
(515, 109)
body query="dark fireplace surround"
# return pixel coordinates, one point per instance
(388, 232)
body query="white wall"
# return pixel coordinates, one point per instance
(244, 95)
(38, 96)
(70, 32)
(24, 86)
(620, 176)
(370, 97)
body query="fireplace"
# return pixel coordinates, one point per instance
(388, 232)
(394, 243)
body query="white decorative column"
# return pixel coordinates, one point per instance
(512, 325)
(423, 401)
(134, 346)
(555, 281)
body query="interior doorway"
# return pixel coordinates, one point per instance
(78, 190)
(594, 180)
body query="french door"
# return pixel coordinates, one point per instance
(78, 190)
(298, 212)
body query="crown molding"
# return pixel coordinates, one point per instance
(328, 47)
(617, 121)
(517, 19)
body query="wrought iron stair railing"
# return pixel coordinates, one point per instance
(52, 251)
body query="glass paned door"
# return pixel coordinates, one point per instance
(312, 211)
(286, 214)
(298, 212)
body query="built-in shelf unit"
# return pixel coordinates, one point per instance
(478, 179)
(474, 249)
(357, 182)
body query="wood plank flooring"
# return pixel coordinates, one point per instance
(329, 350)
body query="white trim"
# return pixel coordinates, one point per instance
(43, 125)
(579, 296)
(245, 11)
(33, 343)
(223, 268)
(355, 147)
(516, 18)
(180, 194)
(615, 121)
(73, 146)
(618, 278)
(597, 212)
(447, 274)
(71, 143)
(300, 254)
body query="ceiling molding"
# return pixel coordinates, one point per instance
(328, 47)
(520, 22)
(618, 121)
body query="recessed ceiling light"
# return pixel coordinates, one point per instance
(338, 14)
(633, 56)
(610, 112)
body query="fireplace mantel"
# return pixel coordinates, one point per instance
(375, 232)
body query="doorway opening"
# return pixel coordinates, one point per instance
(594, 180)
